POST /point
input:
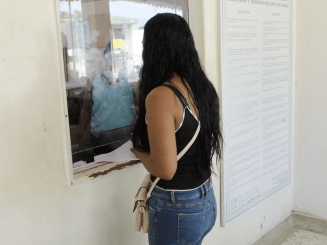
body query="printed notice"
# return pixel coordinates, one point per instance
(256, 101)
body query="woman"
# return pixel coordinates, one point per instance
(111, 108)
(174, 96)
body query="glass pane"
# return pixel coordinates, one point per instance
(102, 50)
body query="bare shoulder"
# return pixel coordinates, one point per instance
(161, 97)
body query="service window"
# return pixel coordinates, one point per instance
(102, 55)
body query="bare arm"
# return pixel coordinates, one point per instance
(162, 160)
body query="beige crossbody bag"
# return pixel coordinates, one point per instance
(141, 205)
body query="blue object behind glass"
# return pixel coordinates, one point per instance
(112, 104)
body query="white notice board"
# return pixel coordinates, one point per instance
(256, 94)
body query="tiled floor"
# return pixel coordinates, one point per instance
(303, 237)
(297, 229)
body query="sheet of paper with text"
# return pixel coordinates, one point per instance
(256, 85)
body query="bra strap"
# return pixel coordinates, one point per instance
(178, 94)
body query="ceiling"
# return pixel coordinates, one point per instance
(157, 3)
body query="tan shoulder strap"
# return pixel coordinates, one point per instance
(189, 143)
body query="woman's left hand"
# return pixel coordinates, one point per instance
(133, 150)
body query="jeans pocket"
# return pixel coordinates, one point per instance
(153, 203)
(151, 209)
(213, 217)
(191, 227)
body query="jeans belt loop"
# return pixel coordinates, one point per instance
(172, 197)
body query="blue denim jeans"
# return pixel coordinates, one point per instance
(181, 217)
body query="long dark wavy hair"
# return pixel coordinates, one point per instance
(169, 48)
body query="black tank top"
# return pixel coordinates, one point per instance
(187, 175)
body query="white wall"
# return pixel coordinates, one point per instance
(249, 227)
(310, 183)
(37, 204)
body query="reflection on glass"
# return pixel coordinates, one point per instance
(102, 50)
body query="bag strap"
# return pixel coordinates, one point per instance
(178, 157)
(189, 143)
